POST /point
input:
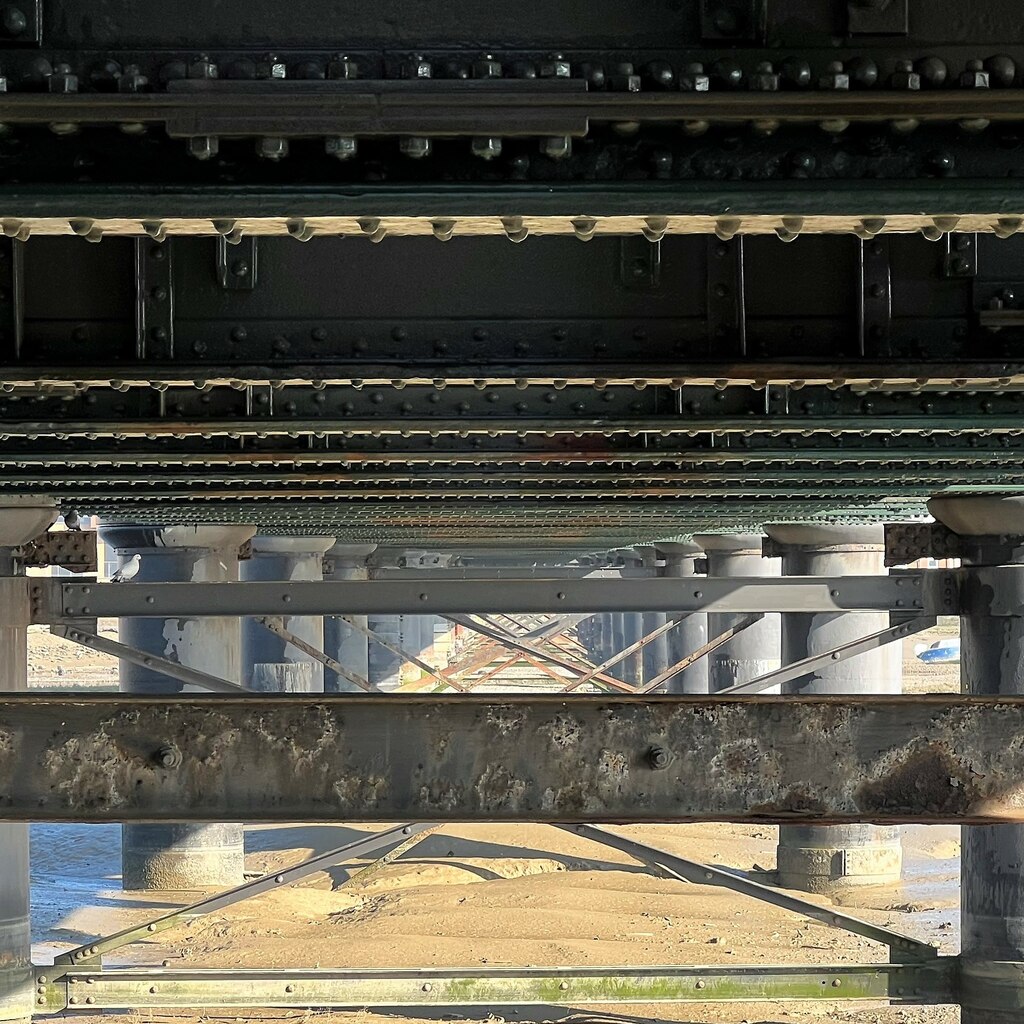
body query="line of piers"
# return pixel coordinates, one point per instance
(812, 859)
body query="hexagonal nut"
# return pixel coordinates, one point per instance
(905, 80)
(486, 67)
(693, 79)
(62, 81)
(974, 80)
(343, 147)
(763, 81)
(486, 147)
(836, 80)
(272, 147)
(203, 67)
(203, 147)
(415, 147)
(554, 67)
(557, 147)
(417, 68)
(342, 67)
(271, 68)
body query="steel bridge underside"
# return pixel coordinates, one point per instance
(593, 394)
(769, 270)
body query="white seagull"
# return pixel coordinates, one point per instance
(128, 571)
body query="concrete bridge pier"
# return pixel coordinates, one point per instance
(172, 856)
(757, 649)
(20, 521)
(991, 660)
(344, 644)
(822, 859)
(271, 663)
(656, 658)
(681, 563)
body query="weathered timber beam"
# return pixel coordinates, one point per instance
(56, 601)
(599, 759)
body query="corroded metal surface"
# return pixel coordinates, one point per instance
(767, 759)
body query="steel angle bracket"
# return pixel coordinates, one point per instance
(103, 991)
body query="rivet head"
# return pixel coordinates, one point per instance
(700, 984)
(426, 986)
(289, 988)
(563, 985)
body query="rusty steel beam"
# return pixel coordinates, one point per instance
(287, 757)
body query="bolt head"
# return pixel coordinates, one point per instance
(554, 67)
(418, 68)
(486, 147)
(272, 148)
(202, 68)
(416, 147)
(203, 147)
(486, 67)
(342, 67)
(342, 147)
(14, 19)
(557, 147)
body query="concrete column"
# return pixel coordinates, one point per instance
(825, 858)
(692, 633)
(655, 654)
(21, 519)
(992, 857)
(758, 648)
(343, 643)
(608, 639)
(385, 667)
(170, 856)
(273, 664)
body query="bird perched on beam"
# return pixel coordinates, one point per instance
(128, 571)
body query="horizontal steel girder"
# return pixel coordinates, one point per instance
(932, 592)
(820, 760)
(131, 989)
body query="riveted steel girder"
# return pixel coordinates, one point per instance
(366, 758)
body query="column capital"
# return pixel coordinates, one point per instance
(992, 526)
(263, 544)
(981, 515)
(835, 537)
(350, 555)
(22, 518)
(732, 543)
(208, 536)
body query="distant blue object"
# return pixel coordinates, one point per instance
(942, 652)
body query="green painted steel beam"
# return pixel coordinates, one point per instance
(104, 991)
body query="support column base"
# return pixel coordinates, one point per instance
(810, 861)
(181, 856)
(991, 992)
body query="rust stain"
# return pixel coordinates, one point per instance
(797, 800)
(928, 779)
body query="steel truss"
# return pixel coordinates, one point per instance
(78, 980)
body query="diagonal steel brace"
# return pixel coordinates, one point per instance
(705, 874)
(702, 652)
(805, 666)
(517, 644)
(276, 626)
(403, 836)
(182, 673)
